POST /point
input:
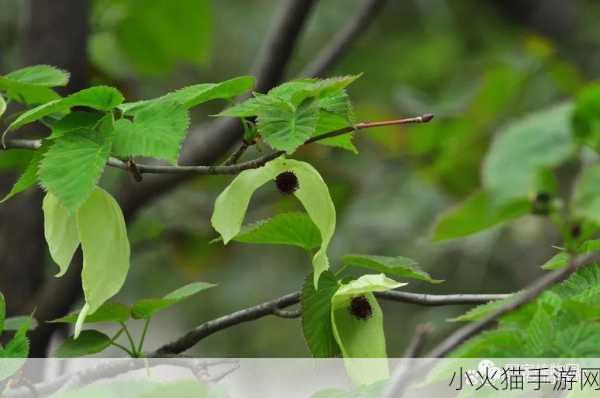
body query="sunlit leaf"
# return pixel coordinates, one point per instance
(72, 166)
(108, 312)
(146, 308)
(102, 98)
(60, 231)
(195, 95)
(41, 75)
(286, 127)
(157, 130)
(397, 266)
(103, 236)
(89, 342)
(296, 229)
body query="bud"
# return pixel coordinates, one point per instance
(287, 182)
(361, 308)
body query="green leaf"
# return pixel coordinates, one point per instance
(480, 311)
(18, 347)
(197, 94)
(316, 316)
(102, 98)
(477, 213)
(145, 309)
(251, 107)
(157, 130)
(15, 353)
(2, 105)
(296, 229)
(586, 117)
(29, 176)
(359, 338)
(88, 343)
(286, 127)
(557, 261)
(328, 122)
(398, 266)
(231, 205)
(103, 236)
(157, 36)
(15, 323)
(524, 148)
(495, 344)
(31, 85)
(41, 75)
(75, 121)
(108, 312)
(74, 163)
(60, 231)
(586, 198)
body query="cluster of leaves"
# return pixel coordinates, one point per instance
(290, 114)
(86, 129)
(15, 352)
(518, 178)
(92, 341)
(89, 127)
(331, 324)
(563, 322)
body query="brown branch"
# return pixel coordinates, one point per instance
(341, 43)
(141, 169)
(274, 307)
(109, 369)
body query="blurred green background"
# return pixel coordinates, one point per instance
(477, 65)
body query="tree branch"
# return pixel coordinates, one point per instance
(533, 291)
(273, 307)
(341, 43)
(224, 169)
(110, 369)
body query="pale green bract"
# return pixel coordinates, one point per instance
(100, 228)
(60, 231)
(362, 341)
(232, 203)
(105, 246)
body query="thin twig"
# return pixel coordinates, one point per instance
(340, 44)
(227, 169)
(233, 159)
(533, 291)
(273, 306)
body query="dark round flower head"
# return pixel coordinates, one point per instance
(287, 182)
(361, 308)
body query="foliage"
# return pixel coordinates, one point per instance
(340, 316)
